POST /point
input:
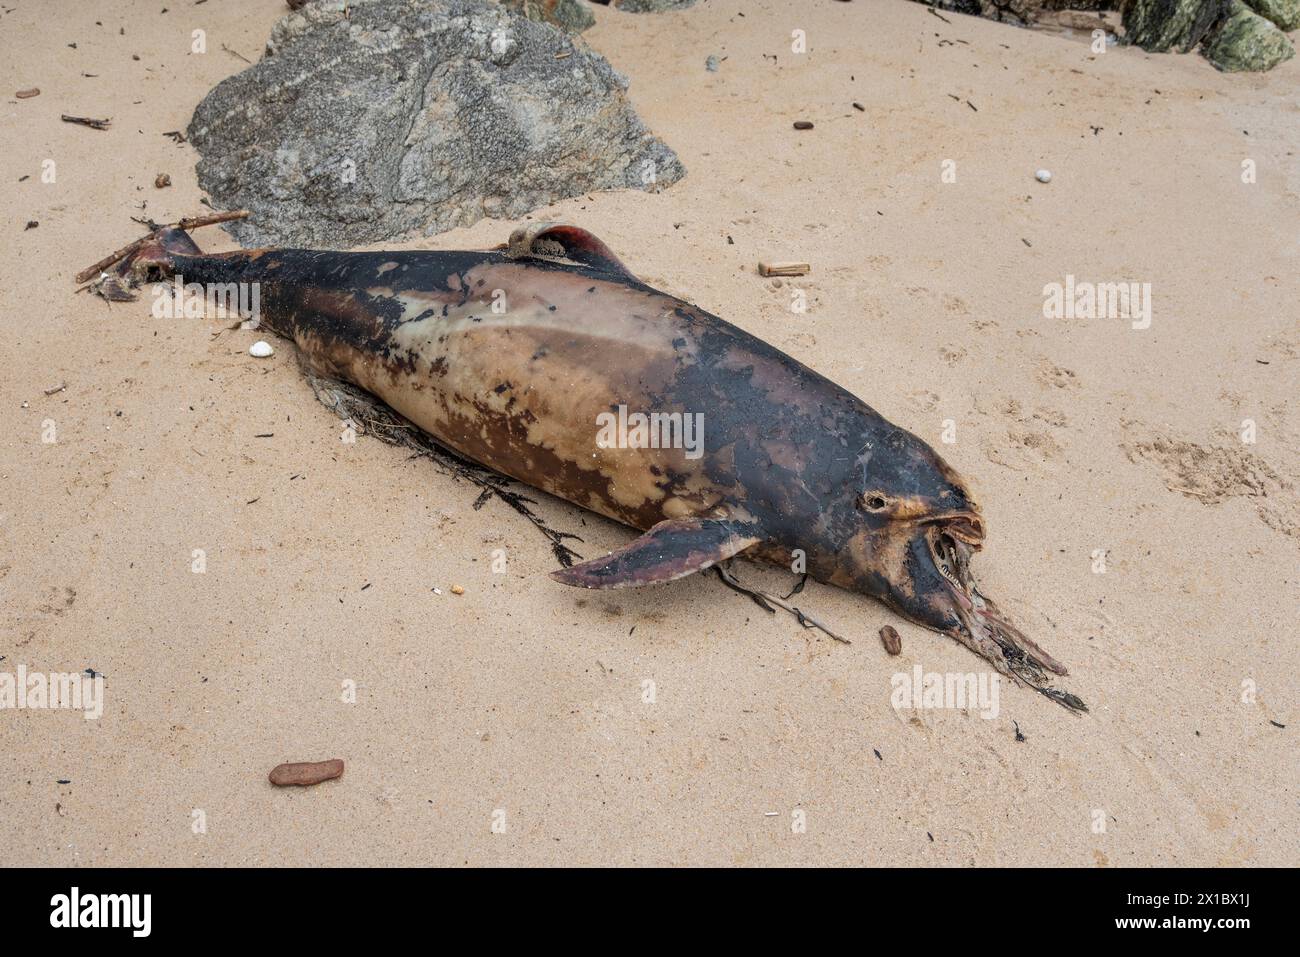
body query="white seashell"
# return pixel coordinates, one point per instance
(1043, 176)
(260, 349)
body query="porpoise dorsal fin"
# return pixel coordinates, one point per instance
(561, 241)
(672, 549)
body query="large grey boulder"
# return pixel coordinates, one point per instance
(372, 119)
(1246, 41)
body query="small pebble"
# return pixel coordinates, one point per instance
(27, 94)
(803, 124)
(457, 590)
(1043, 176)
(305, 773)
(260, 349)
(162, 181)
(711, 64)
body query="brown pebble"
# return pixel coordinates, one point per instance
(889, 638)
(457, 590)
(162, 180)
(305, 773)
(27, 94)
(803, 125)
(859, 107)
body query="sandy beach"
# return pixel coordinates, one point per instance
(1138, 484)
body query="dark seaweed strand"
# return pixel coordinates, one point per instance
(1025, 669)
(349, 402)
(766, 601)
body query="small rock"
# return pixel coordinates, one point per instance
(803, 125)
(457, 590)
(27, 94)
(889, 638)
(712, 62)
(1043, 176)
(1078, 20)
(260, 349)
(571, 16)
(162, 181)
(305, 773)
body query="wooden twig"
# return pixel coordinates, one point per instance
(236, 53)
(195, 222)
(86, 121)
(90, 272)
(191, 222)
(783, 269)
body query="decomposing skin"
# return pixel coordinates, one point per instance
(509, 357)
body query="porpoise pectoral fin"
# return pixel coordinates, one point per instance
(672, 549)
(561, 241)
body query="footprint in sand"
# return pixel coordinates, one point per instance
(1213, 474)
(1056, 377)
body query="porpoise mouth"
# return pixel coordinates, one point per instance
(984, 629)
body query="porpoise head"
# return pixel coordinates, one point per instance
(914, 527)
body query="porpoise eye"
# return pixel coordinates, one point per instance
(872, 502)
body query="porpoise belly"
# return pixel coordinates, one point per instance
(526, 371)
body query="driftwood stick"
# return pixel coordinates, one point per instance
(90, 272)
(194, 222)
(190, 222)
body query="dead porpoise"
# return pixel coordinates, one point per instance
(545, 360)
